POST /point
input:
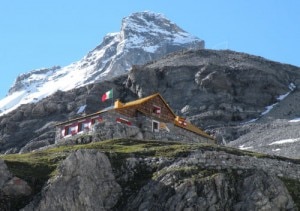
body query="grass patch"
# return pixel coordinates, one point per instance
(42, 164)
(37, 167)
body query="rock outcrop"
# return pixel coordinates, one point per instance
(203, 180)
(85, 181)
(16, 187)
(219, 191)
(11, 187)
(207, 180)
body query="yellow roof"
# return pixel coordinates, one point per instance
(192, 128)
(142, 100)
(82, 117)
(123, 105)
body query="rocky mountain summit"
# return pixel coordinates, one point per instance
(143, 37)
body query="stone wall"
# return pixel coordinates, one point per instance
(180, 134)
(139, 128)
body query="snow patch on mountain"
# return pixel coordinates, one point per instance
(295, 120)
(291, 87)
(285, 141)
(144, 36)
(242, 147)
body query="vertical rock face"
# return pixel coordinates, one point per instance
(85, 182)
(261, 191)
(214, 88)
(183, 188)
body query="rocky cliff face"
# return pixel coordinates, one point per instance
(143, 37)
(234, 96)
(215, 88)
(201, 178)
(85, 182)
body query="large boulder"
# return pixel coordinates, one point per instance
(16, 187)
(260, 191)
(84, 182)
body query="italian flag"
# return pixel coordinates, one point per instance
(107, 95)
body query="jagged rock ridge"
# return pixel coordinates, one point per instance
(143, 37)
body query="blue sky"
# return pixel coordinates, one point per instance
(36, 34)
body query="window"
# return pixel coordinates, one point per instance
(156, 109)
(155, 126)
(70, 130)
(123, 121)
(86, 125)
(80, 126)
(182, 122)
(73, 130)
(95, 120)
(67, 131)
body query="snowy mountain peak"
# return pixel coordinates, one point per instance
(144, 36)
(147, 22)
(150, 29)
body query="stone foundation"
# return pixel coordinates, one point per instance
(114, 125)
